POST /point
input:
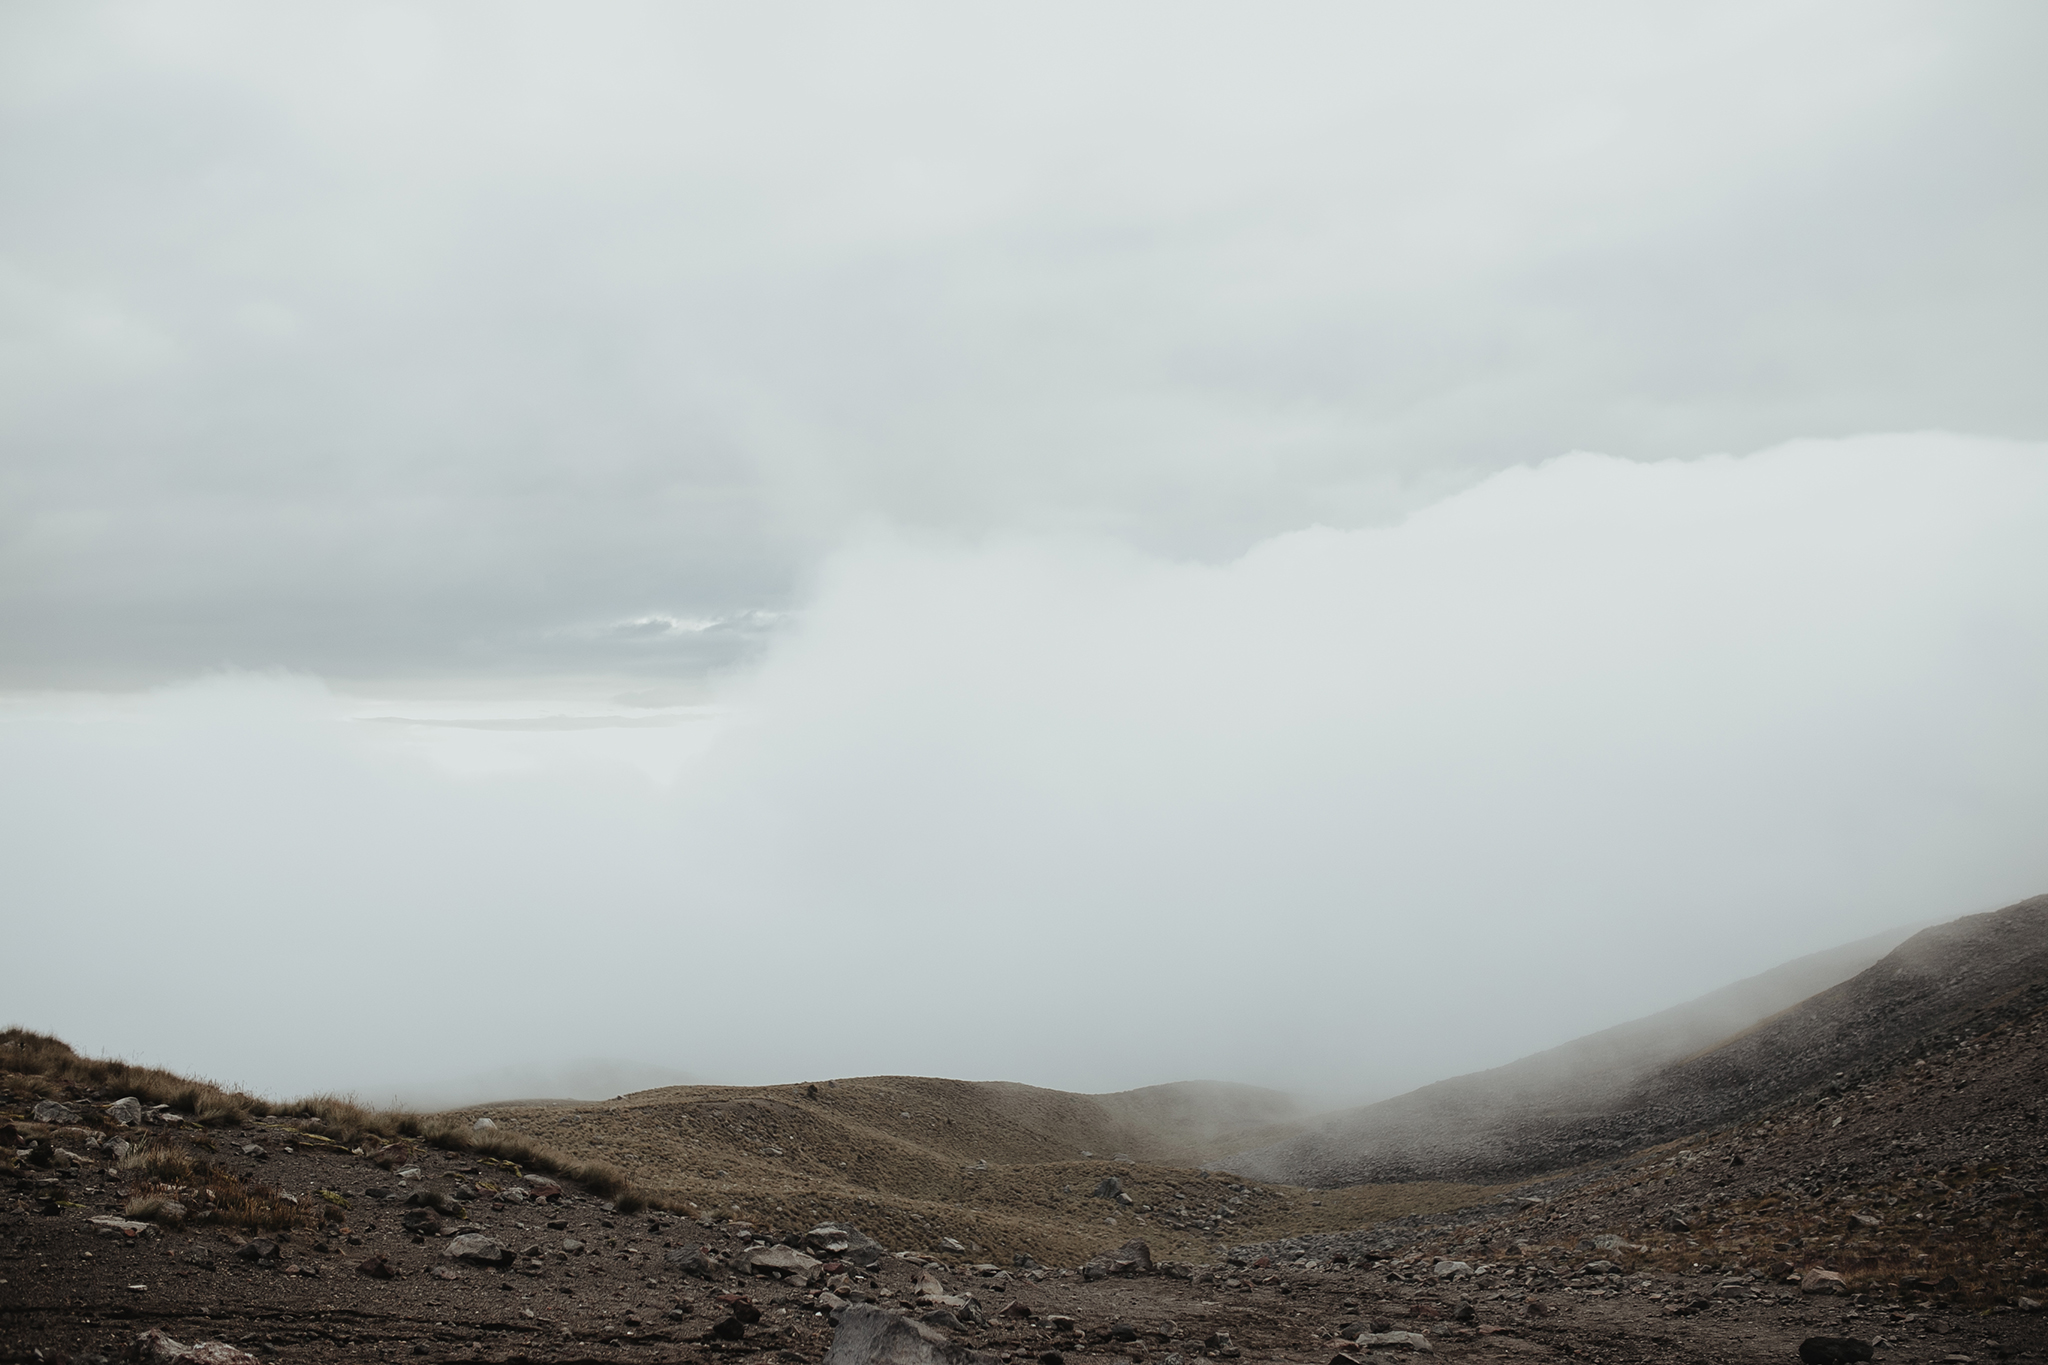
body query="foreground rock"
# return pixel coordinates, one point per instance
(1132, 1258)
(153, 1346)
(845, 1242)
(873, 1336)
(779, 1260)
(477, 1249)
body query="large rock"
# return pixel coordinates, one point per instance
(779, 1260)
(846, 1242)
(872, 1336)
(125, 1111)
(1823, 1282)
(49, 1111)
(153, 1346)
(1132, 1258)
(1110, 1188)
(478, 1249)
(693, 1261)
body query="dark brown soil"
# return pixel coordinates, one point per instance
(1919, 1184)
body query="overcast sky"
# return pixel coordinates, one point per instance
(1040, 543)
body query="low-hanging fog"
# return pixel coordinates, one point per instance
(1354, 810)
(553, 550)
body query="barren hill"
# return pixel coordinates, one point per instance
(1909, 1189)
(1642, 1084)
(1003, 1168)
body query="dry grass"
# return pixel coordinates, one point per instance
(902, 1159)
(165, 1161)
(167, 1171)
(39, 1064)
(46, 1067)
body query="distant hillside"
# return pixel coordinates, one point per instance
(1001, 1167)
(1755, 1043)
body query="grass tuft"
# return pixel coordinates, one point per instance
(33, 1056)
(44, 1066)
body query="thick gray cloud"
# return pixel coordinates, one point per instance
(544, 542)
(492, 340)
(1354, 811)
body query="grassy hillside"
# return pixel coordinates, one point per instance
(996, 1166)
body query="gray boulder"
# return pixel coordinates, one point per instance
(846, 1242)
(49, 1111)
(1110, 1188)
(693, 1261)
(873, 1336)
(157, 1349)
(779, 1260)
(125, 1111)
(1823, 1282)
(1132, 1258)
(478, 1249)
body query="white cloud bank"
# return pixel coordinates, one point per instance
(379, 339)
(1357, 809)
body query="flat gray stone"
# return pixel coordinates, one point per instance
(873, 1336)
(782, 1260)
(478, 1249)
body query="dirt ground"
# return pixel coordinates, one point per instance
(914, 1160)
(1921, 1189)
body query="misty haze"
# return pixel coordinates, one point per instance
(1174, 665)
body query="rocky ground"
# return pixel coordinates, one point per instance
(1921, 1190)
(1583, 1103)
(1898, 1208)
(1003, 1170)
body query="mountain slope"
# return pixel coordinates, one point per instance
(1654, 1079)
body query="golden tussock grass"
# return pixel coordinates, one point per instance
(37, 1059)
(170, 1182)
(47, 1067)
